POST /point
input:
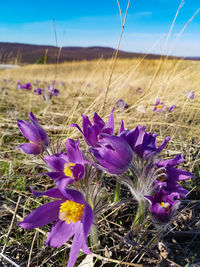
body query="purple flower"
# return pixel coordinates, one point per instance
(113, 154)
(52, 90)
(38, 91)
(35, 134)
(133, 137)
(163, 206)
(51, 86)
(143, 143)
(190, 94)
(55, 92)
(26, 86)
(173, 175)
(4, 80)
(159, 106)
(18, 82)
(139, 90)
(149, 173)
(91, 132)
(72, 216)
(68, 167)
(148, 147)
(121, 104)
(172, 108)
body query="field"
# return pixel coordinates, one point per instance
(87, 89)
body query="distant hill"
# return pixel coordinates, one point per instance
(28, 53)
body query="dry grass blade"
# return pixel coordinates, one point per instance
(31, 249)
(117, 49)
(9, 260)
(11, 224)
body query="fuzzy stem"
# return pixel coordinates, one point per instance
(94, 237)
(152, 243)
(140, 214)
(117, 192)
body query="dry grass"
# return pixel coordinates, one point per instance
(86, 82)
(84, 93)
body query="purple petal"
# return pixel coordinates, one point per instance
(76, 244)
(135, 138)
(113, 153)
(42, 215)
(78, 171)
(32, 118)
(60, 233)
(172, 187)
(74, 195)
(51, 87)
(121, 104)
(30, 148)
(62, 183)
(90, 132)
(55, 163)
(171, 162)
(172, 108)
(86, 123)
(87, 219)
(41, 131)
(29, 131)
(91, 136)
(55, 92)
(163, 145)
(53, 175)
(174, 174)
(38, 91)
(98, 121)
(110, 123)
(53, 192)
(73, 151)
(122, 128)
(76, 126)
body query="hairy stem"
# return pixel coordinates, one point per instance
(117, 192)
(140, 214)
(94, 237)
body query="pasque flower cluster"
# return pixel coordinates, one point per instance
(47, 91)
(132, 156)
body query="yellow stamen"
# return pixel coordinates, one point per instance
(162, 204)
(165, 205)
(71, 211)
(159, 106)
(67, 169)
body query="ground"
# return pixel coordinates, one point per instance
(87, 90)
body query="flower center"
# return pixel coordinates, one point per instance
(159, 106)
(71, 211)
(67, 169)
(165, 205)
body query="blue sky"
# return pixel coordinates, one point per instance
(97, 23)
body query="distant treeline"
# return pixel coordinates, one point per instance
(41, 54)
